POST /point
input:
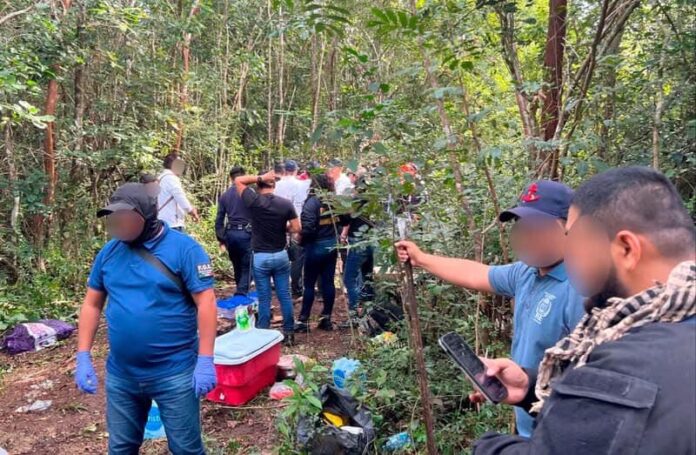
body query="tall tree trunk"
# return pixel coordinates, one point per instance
(610, 100)
(553, 66)
(183, 89)
(269, 91)
(316, 91)
(281, 82)
(529, 123)
(333, 87)
(12, 176)
(659, 101)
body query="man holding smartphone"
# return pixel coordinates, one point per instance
(623, 380)
(547, 307)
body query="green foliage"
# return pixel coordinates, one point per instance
(378, 84)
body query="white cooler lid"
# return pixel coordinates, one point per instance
(238, 347)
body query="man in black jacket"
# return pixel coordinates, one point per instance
(624, 380)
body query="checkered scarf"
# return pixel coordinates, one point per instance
(670, 302)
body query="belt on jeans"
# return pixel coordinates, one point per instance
(237, 227)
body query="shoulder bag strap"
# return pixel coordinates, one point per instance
(159, 265)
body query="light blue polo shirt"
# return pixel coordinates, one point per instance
(547, 308)
(152, 325)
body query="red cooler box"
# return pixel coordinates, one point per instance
(245, 364)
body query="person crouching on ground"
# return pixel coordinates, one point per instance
(271, 218)
(161, 321)
(319, 238)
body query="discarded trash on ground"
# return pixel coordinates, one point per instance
(34, 336)
(385, 338)
(398, 441)
(37, 406)
(286, 365)
(280, 391)
(381, 318)
(354, 435)
(343, 371)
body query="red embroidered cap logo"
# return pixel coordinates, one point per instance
(531, 194)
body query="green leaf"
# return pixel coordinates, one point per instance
(314, 401)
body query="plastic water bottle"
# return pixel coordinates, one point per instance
(243, 319)
(398, 441)
(154, 429)
(343, 369)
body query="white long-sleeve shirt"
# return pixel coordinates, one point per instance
(172, 201)
(343, 186)
(294, 190)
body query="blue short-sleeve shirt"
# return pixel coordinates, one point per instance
(152, 325)
(547, 308)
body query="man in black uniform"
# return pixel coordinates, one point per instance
(233, 230)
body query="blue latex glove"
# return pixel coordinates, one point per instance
(204, 379)
(85, 376)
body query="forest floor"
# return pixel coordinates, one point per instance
(75, 422)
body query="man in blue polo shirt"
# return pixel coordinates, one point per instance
(161, 321)
(547, 308)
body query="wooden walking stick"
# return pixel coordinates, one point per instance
(409, 297)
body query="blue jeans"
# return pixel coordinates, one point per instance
(320, 261)
(357, 275)
(128, 402)
(238, 243)
(276, 266)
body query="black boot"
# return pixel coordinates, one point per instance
(301, 326)
(288, 339)
(325, 324)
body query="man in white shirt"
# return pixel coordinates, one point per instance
(292, 188)
(172, 203)
(296, 191)
(342, 183)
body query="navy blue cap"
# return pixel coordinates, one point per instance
(541, 198)
(290, 165)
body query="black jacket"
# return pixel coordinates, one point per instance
(636, 395)
(318, 222)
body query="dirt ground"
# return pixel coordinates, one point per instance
(75, 422)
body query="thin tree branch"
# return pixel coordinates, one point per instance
(15, 14)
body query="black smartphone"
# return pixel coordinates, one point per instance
(473, 367)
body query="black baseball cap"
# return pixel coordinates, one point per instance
(544, 198)
(124, 198)
(290, 165)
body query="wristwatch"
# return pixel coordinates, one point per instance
(259, 179)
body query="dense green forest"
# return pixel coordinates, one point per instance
(482, 95)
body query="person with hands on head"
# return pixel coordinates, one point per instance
(161, 321)
(547, 307)
(623, 380)
(272, 217)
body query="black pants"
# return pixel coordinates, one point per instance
(297, 255)
(238, 243)
(320, 263)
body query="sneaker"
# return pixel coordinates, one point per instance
(301, 327)
(325, 324)
(352, 321)
(289, 339)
